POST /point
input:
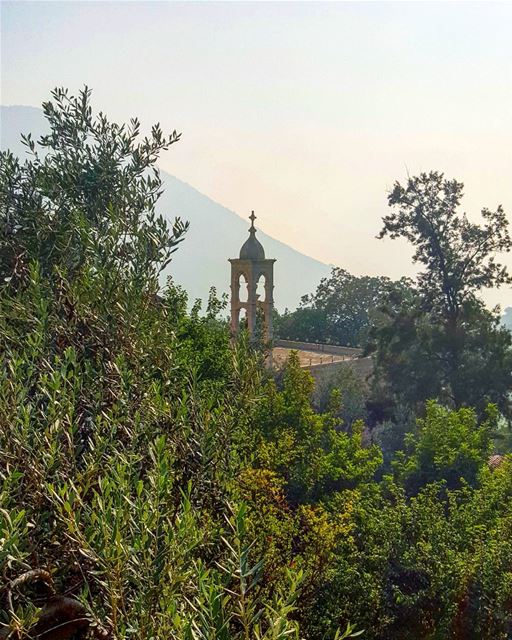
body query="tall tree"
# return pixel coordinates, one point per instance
(444, 343)
(458, 255)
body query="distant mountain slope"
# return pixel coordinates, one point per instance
(215, 234)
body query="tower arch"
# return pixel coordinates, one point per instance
(251, 266)
(261, 287)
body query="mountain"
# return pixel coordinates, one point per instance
(215, 233)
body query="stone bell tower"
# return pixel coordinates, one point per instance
(250, 266)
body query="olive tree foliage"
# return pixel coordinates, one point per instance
(85, 194)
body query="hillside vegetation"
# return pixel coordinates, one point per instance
(157, 481)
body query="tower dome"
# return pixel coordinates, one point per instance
(252, 248)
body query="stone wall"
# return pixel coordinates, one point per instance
(320, 348)
(323, 371)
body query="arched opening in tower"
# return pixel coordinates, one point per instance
(243, 291)
(260, 288)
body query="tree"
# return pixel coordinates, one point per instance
(443, 343)
(458, 255)
(305, 324)
(450, 446)
(308, 449)
(341, 310)
(87, 193)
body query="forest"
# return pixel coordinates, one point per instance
(158, 480)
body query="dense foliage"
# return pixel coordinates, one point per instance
(341, 311)
(442, 342)
(157, 481)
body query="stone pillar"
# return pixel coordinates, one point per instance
(252, 303)
(235, 301)
(268, 305)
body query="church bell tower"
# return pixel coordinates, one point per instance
(250, 266)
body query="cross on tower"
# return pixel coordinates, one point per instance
(252, 218)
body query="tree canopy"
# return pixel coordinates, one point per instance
(458, 255)
(443, 343)
(341, 311)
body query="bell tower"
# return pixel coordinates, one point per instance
(250, 266)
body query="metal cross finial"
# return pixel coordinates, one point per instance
(252, 218)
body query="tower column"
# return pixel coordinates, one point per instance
(235, 301)
(268, 306)
(252, 307)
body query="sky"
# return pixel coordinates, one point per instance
(305, 112)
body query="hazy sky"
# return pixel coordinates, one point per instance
(305, 112)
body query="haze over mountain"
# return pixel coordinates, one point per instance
(215, 233)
